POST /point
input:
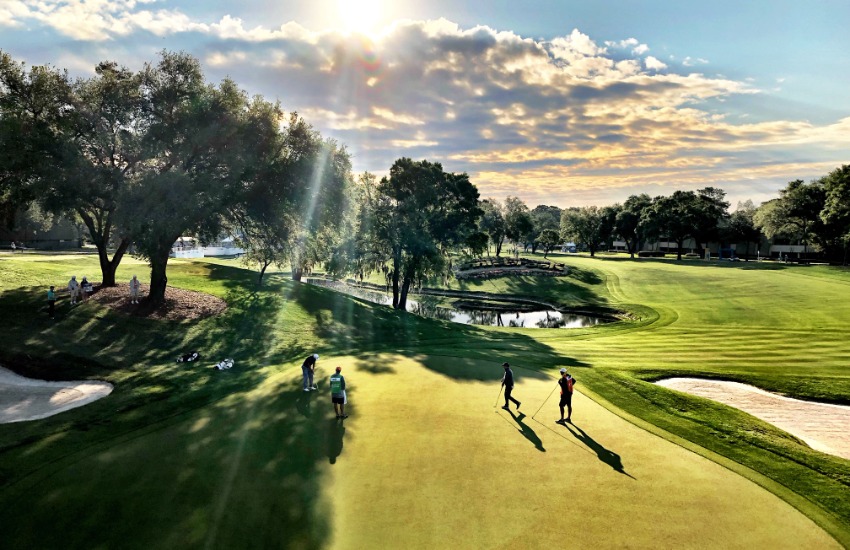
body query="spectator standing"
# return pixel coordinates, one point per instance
(135, 286)
(51, 302)
(85, 289)
(73, 289)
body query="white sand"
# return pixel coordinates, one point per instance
(822, 426)
(28, 399)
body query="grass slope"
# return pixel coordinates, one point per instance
(167, 429)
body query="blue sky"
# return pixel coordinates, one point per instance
(557, 102)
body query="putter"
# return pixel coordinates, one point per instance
(544, 402)
(498, 396)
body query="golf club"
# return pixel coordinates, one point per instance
(544, 402)
(498, 396)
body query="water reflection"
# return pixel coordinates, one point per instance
(432, 307)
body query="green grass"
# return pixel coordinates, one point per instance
(183, 455)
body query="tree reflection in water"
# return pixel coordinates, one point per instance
(430, 306)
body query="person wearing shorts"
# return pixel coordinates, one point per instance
(566, 382)
(338, 393)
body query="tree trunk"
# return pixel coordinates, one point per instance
(159, 263)
(262, 272)
(107, 266)
(297, 273)
(679, 245)
(405, 288)
(395, 275)
(499, 248)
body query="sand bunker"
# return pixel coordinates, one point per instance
(28, 399)
(822, 426)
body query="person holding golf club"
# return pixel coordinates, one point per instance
(338, 393)
(508, 384)
(566, 382)
(308, 368)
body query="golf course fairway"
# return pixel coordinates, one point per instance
(181, 455)
(425, 459)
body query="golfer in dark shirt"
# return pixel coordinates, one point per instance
(508, 384)
(307, 370)
(566, 382)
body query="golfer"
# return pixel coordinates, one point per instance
(338, 393)
(308, 367)
(508, 384)
(566, 382)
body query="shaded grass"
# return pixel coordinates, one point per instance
(764, 324)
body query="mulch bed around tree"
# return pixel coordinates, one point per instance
(180, 304)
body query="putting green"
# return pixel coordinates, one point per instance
(424, 460)
(428, 459)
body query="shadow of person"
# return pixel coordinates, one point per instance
(527, 432)
(336, 432)
(303, 404)
(608, 457)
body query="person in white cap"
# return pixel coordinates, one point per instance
(308, 367)
(566, 382)
(135, 286)
(73, 289)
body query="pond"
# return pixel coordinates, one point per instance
(490, 314)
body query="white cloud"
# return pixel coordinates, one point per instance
(566, 116)
(654, 64)
(691, 62)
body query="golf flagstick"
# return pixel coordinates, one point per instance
(547, 399)
(498, 396)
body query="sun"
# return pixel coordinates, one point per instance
(360, 16)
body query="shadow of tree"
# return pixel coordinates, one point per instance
(246, 468)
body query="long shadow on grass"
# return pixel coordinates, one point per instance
(526, 431)
(607, 456)
(246, 470)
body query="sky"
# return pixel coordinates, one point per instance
(566, 103)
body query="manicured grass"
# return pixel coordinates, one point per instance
(196, 450)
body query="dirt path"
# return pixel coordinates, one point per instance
(822, 426)
(28, 399)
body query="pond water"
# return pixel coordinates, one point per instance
(436, 308)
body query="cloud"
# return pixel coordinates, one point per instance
(568, 117)
(631, 44)
(690, 61)
(654, 64)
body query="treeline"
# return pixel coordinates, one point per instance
(815, 214)
(143, 158)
